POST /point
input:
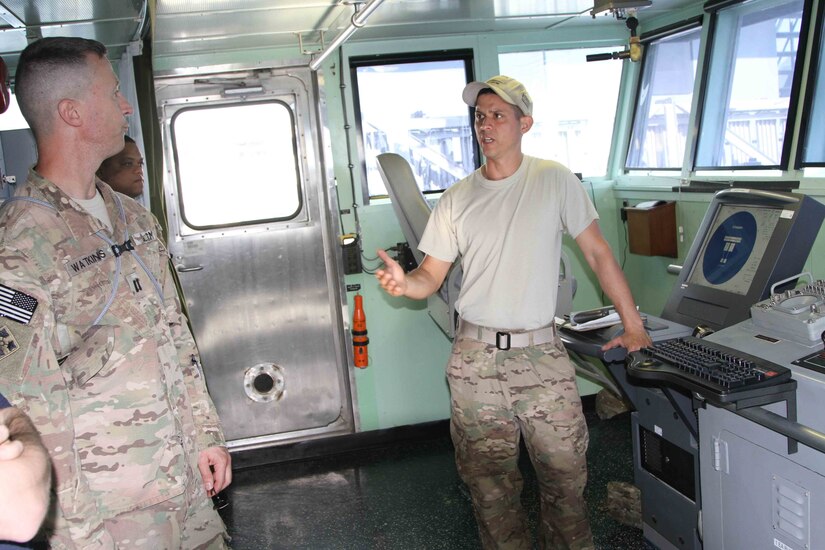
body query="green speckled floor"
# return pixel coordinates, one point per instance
(405, 496)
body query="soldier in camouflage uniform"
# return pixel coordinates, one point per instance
(509, 374)
(96, 349)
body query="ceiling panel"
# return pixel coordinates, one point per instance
(194, 27)
(167, 7)
(56, 11)
(112, 22)
(197, 26)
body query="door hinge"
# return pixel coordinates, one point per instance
(720, 455)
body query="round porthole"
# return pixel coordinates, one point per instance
(264, 383)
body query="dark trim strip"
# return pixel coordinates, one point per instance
(716, 5)
(315, 448)
(796, 85)
(810, 91)
(361, 441)
(670, 30)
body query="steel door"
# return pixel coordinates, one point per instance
(249, 197)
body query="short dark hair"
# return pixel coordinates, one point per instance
(483, 91)
(38, 73)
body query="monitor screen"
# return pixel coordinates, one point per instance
(733, 248)
(748, 240)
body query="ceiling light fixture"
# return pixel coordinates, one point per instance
(617, 7)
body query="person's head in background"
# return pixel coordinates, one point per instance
(124, 171)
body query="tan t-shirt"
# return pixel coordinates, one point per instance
(508, 234)
(96, 207)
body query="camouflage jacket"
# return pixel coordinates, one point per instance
(106, 366)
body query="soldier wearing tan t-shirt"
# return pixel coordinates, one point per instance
(509, 374)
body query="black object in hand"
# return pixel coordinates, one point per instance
(590, 315)
(220, 500)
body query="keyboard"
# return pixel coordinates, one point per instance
(707, 368)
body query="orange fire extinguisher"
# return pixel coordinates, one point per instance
(359, 334)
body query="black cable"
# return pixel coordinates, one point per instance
(389, 249)
(626, 240)
(350, 165)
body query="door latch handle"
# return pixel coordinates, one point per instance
(183, 269)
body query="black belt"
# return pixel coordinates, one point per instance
(505, 340)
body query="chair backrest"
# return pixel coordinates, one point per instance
(408, 202)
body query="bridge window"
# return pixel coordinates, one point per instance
(574, 105)
(813, 145)
(237, 164)
(750, 85)
(663, 103)
(411, 105)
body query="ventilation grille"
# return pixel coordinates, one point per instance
(791, 511)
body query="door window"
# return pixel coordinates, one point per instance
(237, 164)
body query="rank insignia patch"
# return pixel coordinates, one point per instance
(16, 305)
(8, 344)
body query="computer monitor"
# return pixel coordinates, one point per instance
(748, 240)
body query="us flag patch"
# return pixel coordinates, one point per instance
(16, 305)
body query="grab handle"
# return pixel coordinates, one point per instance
(797, 276)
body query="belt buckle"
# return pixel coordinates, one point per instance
(499, 337)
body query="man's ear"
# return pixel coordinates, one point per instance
(68, 111)
(526, 122)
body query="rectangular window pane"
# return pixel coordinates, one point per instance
(749, 87)
(12, 119)
(237, 164)
(574, 105)
(664, 102)
(415, 109)
(814, 144)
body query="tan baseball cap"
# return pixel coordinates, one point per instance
(509, 89)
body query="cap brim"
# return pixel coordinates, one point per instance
(470, 93)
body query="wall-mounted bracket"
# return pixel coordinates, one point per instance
(313, 49)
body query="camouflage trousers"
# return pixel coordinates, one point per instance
(186, 522)
(496, 398)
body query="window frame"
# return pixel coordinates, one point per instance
(185, 222)
(465, 55)
(646, 39)
(712, 58)
(816, 76)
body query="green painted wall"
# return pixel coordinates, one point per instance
(405, 382)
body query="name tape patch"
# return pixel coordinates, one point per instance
(78, 265)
